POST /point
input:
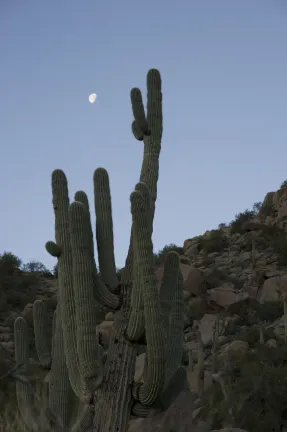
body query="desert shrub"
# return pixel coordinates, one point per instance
(255, 385)
(215, 241)
(9, 262)
(17, 298)
(277, 239)
(240, 219)
(256, 206)
(55, 270)
(267, 209)
(34, 267)
(250, 335)
(222, 225)
(268, 311)
(283, 184)
(162, 253)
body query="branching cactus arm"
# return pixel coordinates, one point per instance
(83, 385)
(65, 278)
(146, 128)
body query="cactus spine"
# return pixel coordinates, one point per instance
(143, 313)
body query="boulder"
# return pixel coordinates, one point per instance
(273, 288)
(227, 297)
(205, 327)
(105, 329)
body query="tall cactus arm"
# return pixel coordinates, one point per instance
(150, 390)
(136, 325)
(88, 349)
(151, 130)
(61, 396)
(41, 336)
(81, 197)
(66, 295)
(102, 292)
(24, 390)
(104, 229)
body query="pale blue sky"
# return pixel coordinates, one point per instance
(224, 71)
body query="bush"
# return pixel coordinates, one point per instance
(9, 261)
(55, 270)
(240, 219)
(160, 257)
(34, 267)
(222, 225)
(215, 241)
(256, 207)
(277, 239)
(267, 209)
(256, 391)
(269, 311)
(283, 184)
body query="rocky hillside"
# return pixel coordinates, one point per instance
(235, 286)
(235, 353)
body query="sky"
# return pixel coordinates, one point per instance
(224, 75)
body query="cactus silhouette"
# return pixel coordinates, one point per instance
(87, 390)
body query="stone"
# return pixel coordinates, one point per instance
(196, 308)
(236, 347)
(205, 327)
(109, 316)
(105, 329)
(272, 287)
(282, 213)
(227, 297)
(272, 343)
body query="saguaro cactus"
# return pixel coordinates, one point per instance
(144, 313)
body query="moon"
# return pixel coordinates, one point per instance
(92, 98)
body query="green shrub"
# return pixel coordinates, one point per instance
(222, 225)
(250, 335)
(283, 184)
(255, 387)
(277, 239)
(161, 255)
(9, 261)
(240, 219)
(257, 206)
(267, 209)
(34, 267)
(268, 311)
(215, 241)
